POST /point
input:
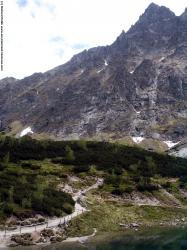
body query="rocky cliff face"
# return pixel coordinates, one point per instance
(137, 86)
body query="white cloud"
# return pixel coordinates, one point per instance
(42, 34)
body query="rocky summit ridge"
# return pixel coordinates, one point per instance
(137, 86)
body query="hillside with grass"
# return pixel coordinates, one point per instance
(31, 172)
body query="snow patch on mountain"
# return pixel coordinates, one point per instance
(138, 139)
(171, 144)
(99, 71)
(106, 63)
(26, 131)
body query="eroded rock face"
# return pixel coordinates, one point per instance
(137, 86)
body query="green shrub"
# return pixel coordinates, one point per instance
(57, 160)
(8, 209)
(145, 185)
(30, 165)
(67, 208)
(69, 154)
(167, 185)
(79, 169)
(129, 189)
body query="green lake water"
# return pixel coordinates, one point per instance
(151, 239)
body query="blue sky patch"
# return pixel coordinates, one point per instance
(57, 39)
(22, 3)
(80, 46)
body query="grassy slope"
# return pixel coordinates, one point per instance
(106, 216)
(124, 169)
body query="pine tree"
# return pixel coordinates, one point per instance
(69, 154)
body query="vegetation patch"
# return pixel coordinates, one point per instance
(107, 216)
(31, 171)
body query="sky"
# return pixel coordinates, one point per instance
(42, 34)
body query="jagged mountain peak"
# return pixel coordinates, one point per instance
(154, 16)
(154, 10)
(154, 29)
(153, 6)
(184, 15)
(137, 86)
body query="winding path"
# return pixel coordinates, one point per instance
(51, 222)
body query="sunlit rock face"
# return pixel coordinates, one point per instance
(137, 86)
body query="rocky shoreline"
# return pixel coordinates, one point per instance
(48, 235)
(59, 234)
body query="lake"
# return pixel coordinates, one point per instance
(149, 239)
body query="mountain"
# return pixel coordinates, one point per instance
(137, 86)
